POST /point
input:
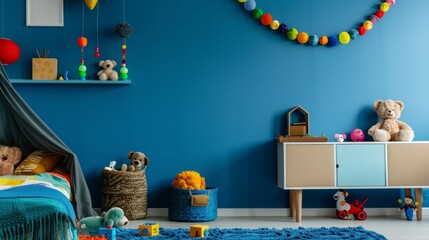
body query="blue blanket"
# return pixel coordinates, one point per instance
(35, 210)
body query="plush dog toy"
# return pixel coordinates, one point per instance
(390, 128)
(114, 217)
(9, 157)
(138, 161)
(107, 71)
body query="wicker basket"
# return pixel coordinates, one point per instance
(126, 190)
(183, 209)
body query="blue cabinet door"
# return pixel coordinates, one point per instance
(361, 165)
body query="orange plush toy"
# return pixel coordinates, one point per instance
(189, 180)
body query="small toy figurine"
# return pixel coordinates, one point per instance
(409, 206)
(340, 137)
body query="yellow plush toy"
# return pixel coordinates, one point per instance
(189, 180)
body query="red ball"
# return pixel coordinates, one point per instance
(97, 54)
(82, 41)
(124, 61)
(9, 51)
(361, 30)
(266, 19)
(379, 13)
(124, 51)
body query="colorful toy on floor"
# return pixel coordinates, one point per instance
(109, 232)
(409, 206)
(88, 237)
(114, 217)
(149, 229)
(349, 211)
(199, 231)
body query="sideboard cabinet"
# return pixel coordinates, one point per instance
(334, 165)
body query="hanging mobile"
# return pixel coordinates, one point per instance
(97, 49)
(124, 30)
(82, 42)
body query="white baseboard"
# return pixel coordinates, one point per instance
(280, 212)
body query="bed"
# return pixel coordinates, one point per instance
(44, 206)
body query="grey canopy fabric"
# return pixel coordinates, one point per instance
(21, 127)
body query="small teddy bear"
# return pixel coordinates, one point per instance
(390, 128)
(9, 157)
(138, 161)
(107, 72)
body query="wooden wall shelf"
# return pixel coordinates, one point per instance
(107, 82)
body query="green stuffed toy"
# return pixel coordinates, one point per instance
(114, 217)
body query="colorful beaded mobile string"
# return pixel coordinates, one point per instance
(124, 30)
(82, 42)
(97, 48)
(313, 40)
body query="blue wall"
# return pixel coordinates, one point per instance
(211, 87)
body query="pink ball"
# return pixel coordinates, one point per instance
(357, 135)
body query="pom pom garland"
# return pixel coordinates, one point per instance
(312, 40)
(123, 29)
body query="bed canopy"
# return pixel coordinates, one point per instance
(20, 126)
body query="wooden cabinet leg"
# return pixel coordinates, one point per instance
(407, 191)
(296, 202)
(418, 192)
(292, 204)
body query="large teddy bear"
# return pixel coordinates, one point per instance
(9, 157)
(107, 71)
(390, 128)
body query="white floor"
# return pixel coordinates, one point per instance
(392, 227)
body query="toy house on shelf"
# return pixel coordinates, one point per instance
(298, 127)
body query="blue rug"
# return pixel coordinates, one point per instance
(261, 233)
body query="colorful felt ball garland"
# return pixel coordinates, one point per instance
(293, 34)
(82, 42)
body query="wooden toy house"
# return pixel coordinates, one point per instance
(298, 127)
(298, 124)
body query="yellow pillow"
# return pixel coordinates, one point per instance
(38, 162)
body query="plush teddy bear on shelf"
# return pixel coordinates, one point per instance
(9, 157)
(107, 71)
(138, 161)
(390, 128)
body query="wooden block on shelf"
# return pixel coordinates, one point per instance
(302, 139)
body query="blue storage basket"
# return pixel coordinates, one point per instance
(180, 208)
